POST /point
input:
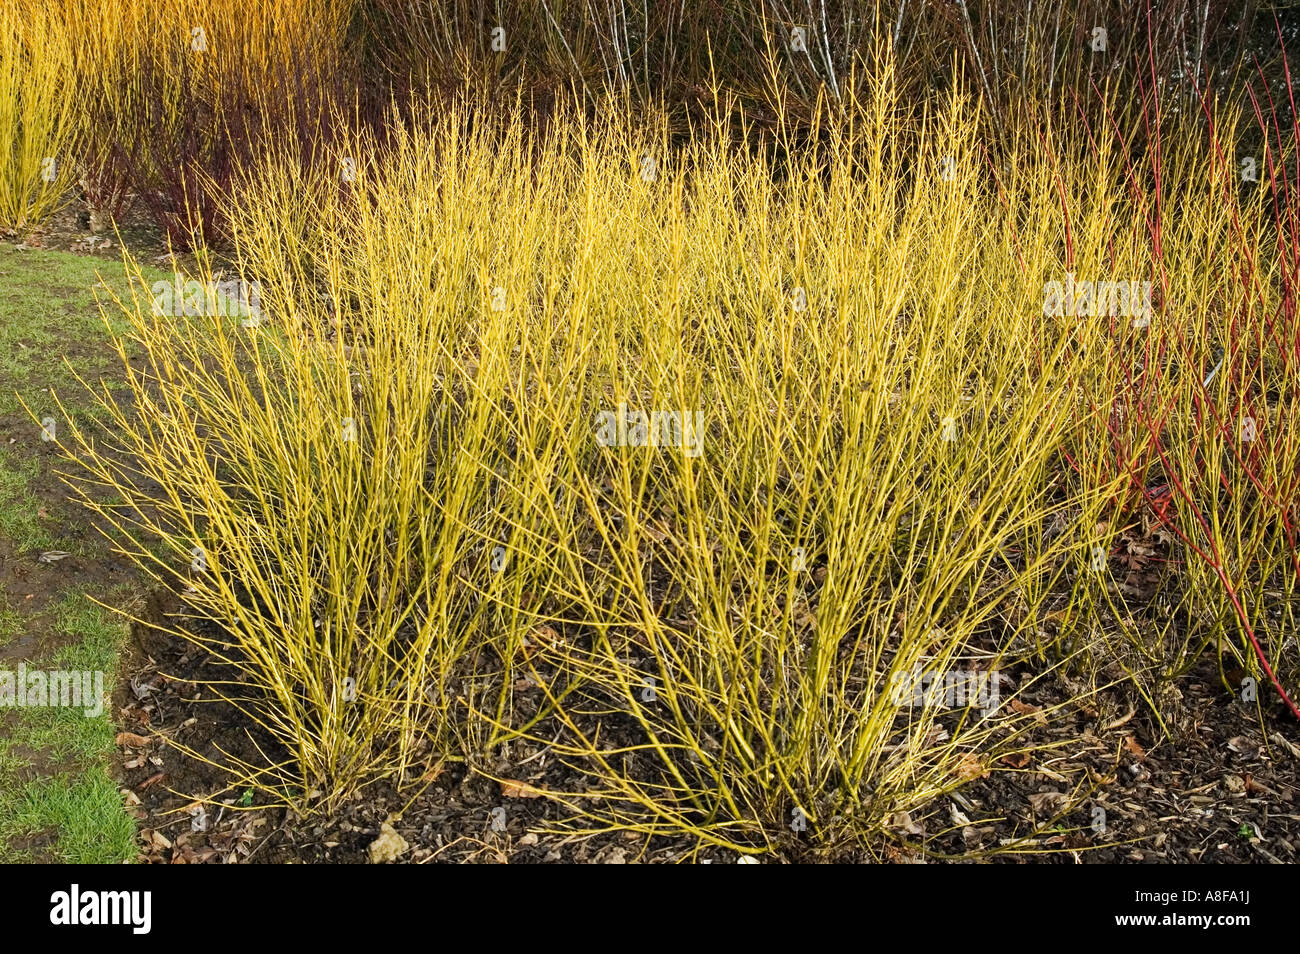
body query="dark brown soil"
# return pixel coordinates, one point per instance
(1223, 792)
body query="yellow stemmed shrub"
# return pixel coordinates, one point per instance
(38, 93)
(682, 464)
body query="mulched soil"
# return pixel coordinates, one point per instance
(1224, 791)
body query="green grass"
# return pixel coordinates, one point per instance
(57, 799)
(47, 316)
(19, 510)
(83, 812)
(54, 761)
(11, 621)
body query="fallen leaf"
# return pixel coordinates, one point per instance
(1254, 786)
(1122, 720)
(970, 766)
(1047, 803)
(1136, 548)
(1131, 744)
(544, 634)
(1243, 747)
(542, 637)
(151, 780)
(1024, 708)
(1286, 743)
(1016, 760)
(936, 735)
(515, 789)
(53, 556)
(130, 738)
(903, 822)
